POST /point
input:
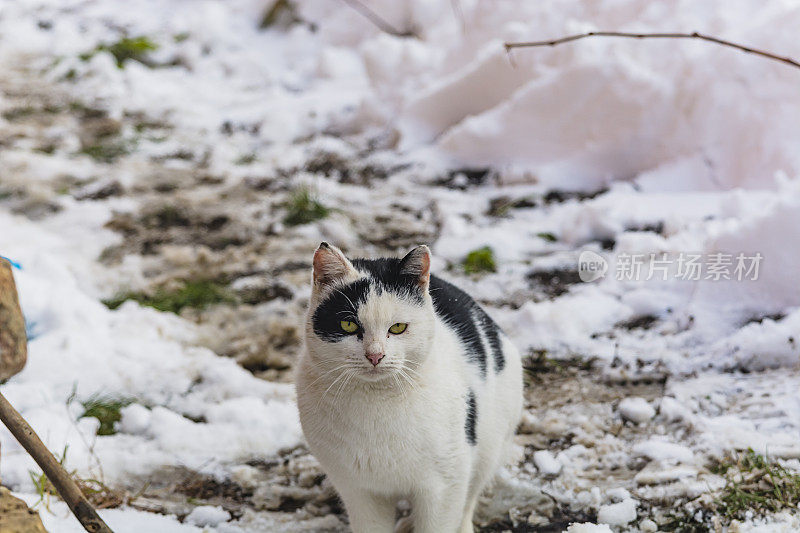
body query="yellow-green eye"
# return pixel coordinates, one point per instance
(349, 327)
(398, 328)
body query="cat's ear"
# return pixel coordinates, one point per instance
(417, 263)
(330, 266)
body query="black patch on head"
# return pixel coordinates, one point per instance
(472, 419)
(451, 304)
(386, 275)
(343, 301)
(341, 304)
(465, 316)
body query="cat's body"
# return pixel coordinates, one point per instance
(424, 414)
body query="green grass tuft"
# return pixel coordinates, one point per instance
(106, 409)
(480, 261)
(246, 159)
(303, 208)
(195, 294)
(547, 236)
(754, 485)
(135, 48)
(108, 152)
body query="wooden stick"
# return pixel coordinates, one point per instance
(59, 477)
(694, 35)
(14, 341)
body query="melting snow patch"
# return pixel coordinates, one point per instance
(636, 410)
(588, 528)
(547, 464)
(208, 515)
(618, 514)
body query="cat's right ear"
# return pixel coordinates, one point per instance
(417, 263)
(330, 266)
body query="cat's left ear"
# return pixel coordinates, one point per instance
(330, 266)
(417, 263)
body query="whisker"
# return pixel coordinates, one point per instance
(325, 374)
(343, 386)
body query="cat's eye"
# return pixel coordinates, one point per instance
(398, 328)
(348, 326)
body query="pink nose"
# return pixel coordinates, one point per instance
(374, 358)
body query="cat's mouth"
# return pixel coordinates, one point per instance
(376, 373)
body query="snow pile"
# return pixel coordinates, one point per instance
(189, 406)
(583, 114)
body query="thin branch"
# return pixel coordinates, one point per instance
(377, 20)
(694, 35)
(13, 340)
(59, 477)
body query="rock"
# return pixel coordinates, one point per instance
(636, 410)
(13, 339)
(547, 464)
(618, 514)
(15, 517)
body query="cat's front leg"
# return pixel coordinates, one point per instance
(368, 512)
(439, 509)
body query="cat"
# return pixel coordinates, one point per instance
(407, 390)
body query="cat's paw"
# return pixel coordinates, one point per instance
(404, 525)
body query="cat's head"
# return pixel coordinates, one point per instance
(373, 319)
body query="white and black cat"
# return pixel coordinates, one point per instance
(406, 388)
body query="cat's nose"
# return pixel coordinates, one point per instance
(374, 357)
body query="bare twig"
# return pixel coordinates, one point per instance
(59, 477)
(377, 20)
(11, 314)
(694, 35)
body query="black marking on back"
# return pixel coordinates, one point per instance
(465, 316)
(492, 332)
(472, 419)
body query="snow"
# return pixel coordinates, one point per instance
(618, 514)
(692, 137)
(124, 520)
(208, 515)
(636, 410)
(662, 450)
(588, 528)
(547, 463)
